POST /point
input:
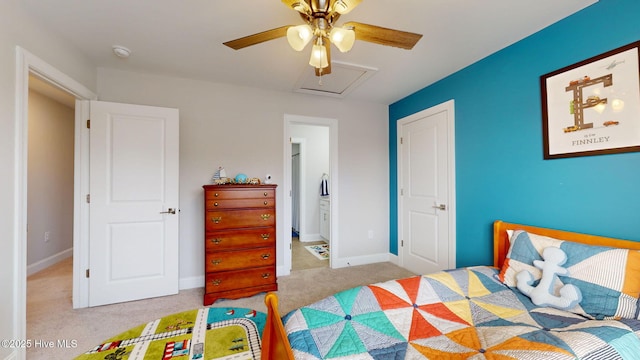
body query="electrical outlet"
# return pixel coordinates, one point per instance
(371, 234)
(46, 236)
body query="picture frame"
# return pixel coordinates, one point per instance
(593, 107)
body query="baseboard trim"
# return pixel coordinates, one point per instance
(51, 260)
(282, 271)
(310, 237)
(360, 260)
(394, 259)
(191, 282)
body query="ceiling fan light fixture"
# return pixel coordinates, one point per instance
(344, 6)
(342, 38)
(299, 36)
(319, 56)
(300, 6)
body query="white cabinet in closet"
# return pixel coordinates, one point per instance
(325, 218)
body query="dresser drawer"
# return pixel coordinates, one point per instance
(239, 193)
(229, 280)
(212, 204)
(221, 220)
(240, 259)
(240, 239)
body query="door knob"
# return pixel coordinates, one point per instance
(440, 207)
(169, 211)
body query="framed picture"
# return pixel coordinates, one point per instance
(593, 107)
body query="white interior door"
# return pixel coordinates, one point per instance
(133, 217)
(427, 237)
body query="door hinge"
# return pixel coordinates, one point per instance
(401, 192)
(401, 140)
(401, 243)
(89, 124)
(88, 198)
(86, 274)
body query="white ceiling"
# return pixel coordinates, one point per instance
(184, 38)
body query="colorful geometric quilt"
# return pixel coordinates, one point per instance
(456, 314)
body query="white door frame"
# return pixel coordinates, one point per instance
(448, 106)
(28, 63)
(302, 187)
(332, 124)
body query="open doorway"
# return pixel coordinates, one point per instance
(310, 197)
(50, 175)
(310, 179)
(26, 65)
(50, 200)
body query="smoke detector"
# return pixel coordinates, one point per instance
(121, 51)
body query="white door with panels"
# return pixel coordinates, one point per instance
(426, 172)
(133, 220)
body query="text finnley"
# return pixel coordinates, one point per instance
(593, 140)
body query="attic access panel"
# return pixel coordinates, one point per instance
(343, 79)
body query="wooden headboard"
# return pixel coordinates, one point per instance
(501, 239)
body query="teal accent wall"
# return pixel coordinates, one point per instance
(500, 171)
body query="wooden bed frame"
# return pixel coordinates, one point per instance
(275, 344)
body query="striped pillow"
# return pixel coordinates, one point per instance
(609, 278)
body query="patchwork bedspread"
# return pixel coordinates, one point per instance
(457, 314)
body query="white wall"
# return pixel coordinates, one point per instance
(242, 129)
(50, 184)
(316, 160)
(19, 29)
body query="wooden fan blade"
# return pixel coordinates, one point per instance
(326, 70)
(384, 36)
(257, 38)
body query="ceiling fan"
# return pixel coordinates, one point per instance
(320, 17)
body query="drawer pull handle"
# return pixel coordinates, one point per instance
(216, 220)
(216, 194)
(266, 256)
(216, 262)
(215, 203)
(266, 203)
(265, 217)
(216, 282)
(265, 236)
(265, 194)
(216, 241)
(266, 275)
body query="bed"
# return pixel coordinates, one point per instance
(587, 307)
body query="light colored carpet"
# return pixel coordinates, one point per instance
(51, 318)
(303, 259)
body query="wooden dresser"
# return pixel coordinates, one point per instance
(239, 241)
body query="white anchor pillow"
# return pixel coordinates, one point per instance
(547, 292)
(608, 278)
